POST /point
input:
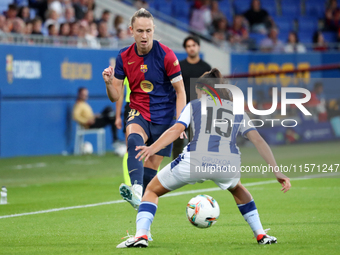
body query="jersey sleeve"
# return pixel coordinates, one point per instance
(171, 65)
(119, 69)
(247, 126)
(185, 116)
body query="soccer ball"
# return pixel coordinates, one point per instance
(87, 148)
(203, 211)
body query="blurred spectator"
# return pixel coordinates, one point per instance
(29, 28)
(83, 114)
(12, 12)
(140, 4)
(118, 24)
(80, 8)
(88, 18)
(201, 17)
(332, 16)
(103, 35)
(24, 13)
(74, 29)
(105, 16)
(40, 6)
(319, 42)
(52, 30)
(258, 18)
(37, 26)
(68, 16)
(91, 36)
(3, 24)
(272, 43)
(93, 31)
(57, 7)
(220, 32)
(18, 26)
(238, 30)
(215, 11)
(318, 100)
(91, 5)
(65, 29)
(293, 44)
(52, 18)
(81, 36)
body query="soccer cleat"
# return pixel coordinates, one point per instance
(266, 239)
(149, 236)
(129, 194)
(134, 242)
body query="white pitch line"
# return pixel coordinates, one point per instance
(174, 194)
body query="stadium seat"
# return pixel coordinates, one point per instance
(315, 8)
(79, 140)
(329, 36)
(227, 9)
(308, 24)
(257, 37)
(291, 8)
(164, 7)
(305, 37)
(181, 9)
(269, 6)
(241, 6)
(285, 24)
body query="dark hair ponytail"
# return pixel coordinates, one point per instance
(211, 78)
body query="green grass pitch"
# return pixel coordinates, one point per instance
(305, 220)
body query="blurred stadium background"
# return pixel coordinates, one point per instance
(50, 48)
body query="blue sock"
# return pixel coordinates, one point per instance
(148, 176)
(146, 213)
(250, 214)
(135, 167)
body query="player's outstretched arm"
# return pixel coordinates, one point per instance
(119, 105)
(267, 154)
(114, 86)
(164, 140)
(181, 99)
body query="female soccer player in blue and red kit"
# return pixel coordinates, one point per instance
(156, 101)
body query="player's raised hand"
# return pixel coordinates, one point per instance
(118, 122)
(284, 180)
(183, 135)
(145, 152)
(108, 75)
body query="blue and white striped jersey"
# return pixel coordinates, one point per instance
(217, 130)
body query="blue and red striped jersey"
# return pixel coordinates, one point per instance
(152, 93)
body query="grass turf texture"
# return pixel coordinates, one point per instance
(305, 220)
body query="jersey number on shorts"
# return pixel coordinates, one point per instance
(220, 123)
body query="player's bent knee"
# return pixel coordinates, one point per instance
(134, 140)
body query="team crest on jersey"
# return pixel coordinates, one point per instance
(143, 68)
(146, 86)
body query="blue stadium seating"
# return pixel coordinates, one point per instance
(285, 24)
(329, 36)
(164, 7)
(291, 8)
(305, 36)
(227, 9)
(241, 6)
(257, 37)
(181, 9)
(308, 24)
(315, 8)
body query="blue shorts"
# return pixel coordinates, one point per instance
(153, 131)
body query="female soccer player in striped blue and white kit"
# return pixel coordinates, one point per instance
(210, 144)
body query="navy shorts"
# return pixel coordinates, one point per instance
(153, 131)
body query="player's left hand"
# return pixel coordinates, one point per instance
(284, 180)
(145, 152)
(183, 135)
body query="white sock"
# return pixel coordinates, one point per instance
(253, 219)
(141, 232)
